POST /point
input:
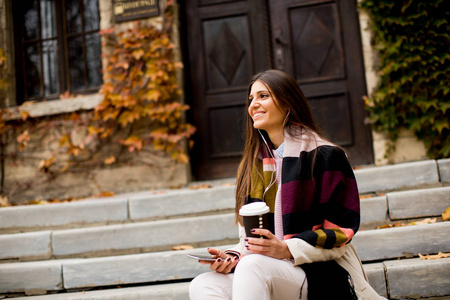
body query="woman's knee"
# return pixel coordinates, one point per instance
(210, 284)
(252, 263)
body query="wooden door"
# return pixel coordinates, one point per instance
(227, 41)
(316, 41)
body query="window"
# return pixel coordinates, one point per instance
(57, 48)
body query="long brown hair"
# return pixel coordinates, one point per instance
(289, 97)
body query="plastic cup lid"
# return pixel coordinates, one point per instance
(254, 209)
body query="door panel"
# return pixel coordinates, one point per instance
(227, 44)
(318, 43)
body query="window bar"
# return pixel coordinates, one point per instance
(83, 37)
(41, 65)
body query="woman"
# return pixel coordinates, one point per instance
(314, 208)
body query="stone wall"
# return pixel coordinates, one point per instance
(23, 182)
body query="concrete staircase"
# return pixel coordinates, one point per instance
(121, 247)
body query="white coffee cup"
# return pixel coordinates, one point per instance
(255, 216)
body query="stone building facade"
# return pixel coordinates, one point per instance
(149, 169)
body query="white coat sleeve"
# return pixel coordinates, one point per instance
(240, 247)
(304, 253)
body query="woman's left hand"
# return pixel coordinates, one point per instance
(271, 246)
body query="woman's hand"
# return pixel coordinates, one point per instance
(224, 262)
(271, 246)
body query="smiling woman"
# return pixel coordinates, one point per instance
(310, 189)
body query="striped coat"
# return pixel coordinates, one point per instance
(320, 200)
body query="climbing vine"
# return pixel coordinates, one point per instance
(140, 109)
(412, 38)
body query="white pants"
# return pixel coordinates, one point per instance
(257, 277)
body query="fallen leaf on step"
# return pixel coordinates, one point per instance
(424, 221)
(159, 192)
(183, 247)
(398, 224)
(3, 201)
(446, 214)
(436, 256)
(105, 194)
(201, 186)
(38, 202)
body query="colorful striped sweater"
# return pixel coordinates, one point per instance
(320, 200)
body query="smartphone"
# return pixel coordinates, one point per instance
(202, 257)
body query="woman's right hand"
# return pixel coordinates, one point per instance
(224, 263)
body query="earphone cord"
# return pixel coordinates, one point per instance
(271, 182)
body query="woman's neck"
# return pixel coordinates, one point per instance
(277, 138)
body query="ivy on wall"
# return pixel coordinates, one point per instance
(412, 38)
(141, 109)
(3, 70)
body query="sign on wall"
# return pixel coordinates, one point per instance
(126, 10)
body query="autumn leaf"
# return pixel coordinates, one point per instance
(200, 186)
(64, 139)
(436, 256)
(183, 158)
(24, 115)
(45, 164)
(137, 54)
(446, 214)
(182, 247)
(73, 150)
(153, 95)
(23, 139)
(38, 202)
(133, 143)
(110, 160)
(424, 221)
(3, 201)
(66, 95)
(105, 194)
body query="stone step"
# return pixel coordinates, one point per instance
(399, 242)
(401, 176)
(163, 234)
(372, 245)
(169, 291)
(118, 239)
(151, 205)
(399, 279)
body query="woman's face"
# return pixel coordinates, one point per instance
(264, 111)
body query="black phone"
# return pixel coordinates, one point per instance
(202, 257)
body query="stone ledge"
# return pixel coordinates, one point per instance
(417, 278)
(52, 215)
(31, 277)
(418, 203)
(54, 107)
(181, 202)
(376, 277)
(404, 175)
(444, 169)
(170, 291)
(144, 235)
(30, 245)
(374, 212)
(138, 268)
(405, 241)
